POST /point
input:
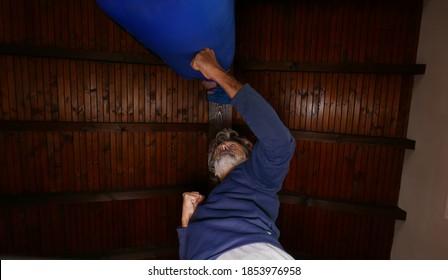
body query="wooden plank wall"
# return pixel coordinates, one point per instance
(70, 160)
(369, 104)
(63, 157)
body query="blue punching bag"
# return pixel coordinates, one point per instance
(175, 30)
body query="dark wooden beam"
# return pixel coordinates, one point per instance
(296, 66)
(219, 121)
(360, 208)
(7, 201)
(354, 139)
(23, 200)
(341, 138)
(149, 58)
(80, 54)
(100, 126)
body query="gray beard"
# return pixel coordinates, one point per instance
(226, 162)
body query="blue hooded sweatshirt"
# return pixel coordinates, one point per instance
(243, 208)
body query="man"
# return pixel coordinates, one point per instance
(237, 220)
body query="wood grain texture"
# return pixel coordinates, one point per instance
(86, 109)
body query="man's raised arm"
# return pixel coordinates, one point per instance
(272, 153)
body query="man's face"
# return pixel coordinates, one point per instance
(229, 148)
(227, 156)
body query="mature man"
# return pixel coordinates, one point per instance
(237, 220)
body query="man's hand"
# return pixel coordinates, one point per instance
(190, 202)
(205, 62)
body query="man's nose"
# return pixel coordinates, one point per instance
(224, 147)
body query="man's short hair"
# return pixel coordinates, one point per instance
(225, 135)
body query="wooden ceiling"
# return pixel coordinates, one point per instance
(98, 138)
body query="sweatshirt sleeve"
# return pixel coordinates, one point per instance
(182, 235)
(269, 161)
